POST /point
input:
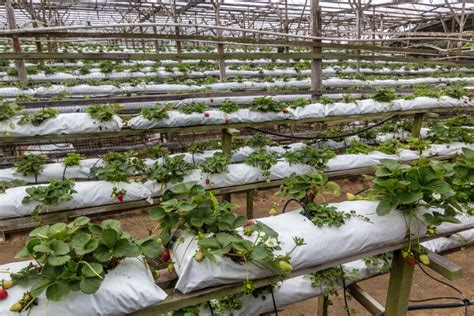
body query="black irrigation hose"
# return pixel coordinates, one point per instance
(300, 203)
(325, 137)
(273, 301)
(210, 308)
(442, 282)
(345, 292)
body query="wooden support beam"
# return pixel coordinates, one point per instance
(220, 45)
(323, 304)
(250, 196)
(20, 64)
(316, 63)
(444, 266)
(364, 299)
(417, 124)
(399, 287)
(227, 134)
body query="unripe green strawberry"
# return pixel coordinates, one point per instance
(6, 284)
(199, 256)
(285, 266)
(170, 268)
(17, 307)
(424, 259)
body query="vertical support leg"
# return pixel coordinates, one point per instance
(323, 304)
(316, 63)
(250, 196)
(415, 132)
(20, 64)
(399, 286)
(3, 236)
(227, 149)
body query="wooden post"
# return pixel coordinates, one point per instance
(142, 39)
(250, 195)
(20, 64)
(227, 149)
(220, 46)
(323, 304)
(316, 63)
(39, 46)
(286, 27)
(155, 31)
(417, 123)
(358, 13)
(399, 286)
(179, 48)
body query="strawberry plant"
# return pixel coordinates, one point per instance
(195, 107)
(217, 229)
(71, 160)
(5, 185)
(389, 147)
(358, 148)
(153, 152)
(384, 94)
(262, 159)
(407, 188)
(52, 194)
(8, 110)
(348, 98)
(306, 188)
(266, 104)
(31, 165)
(75, 257)
(259, 140)
(325, 100)
(218, 163)
(315, 157)
(229, 106)
(38, 117)
(158, 112)
(417, 144)
(299, 102)
(103, 112)
(172, 169)
(118, 167)
(329, 279)
(463, 178)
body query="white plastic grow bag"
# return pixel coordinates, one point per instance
(53, 171)
(354, 237)
(89, 194)
(127, 288)
(67, 123)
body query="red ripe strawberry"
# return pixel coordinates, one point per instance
(207, 181)
(206, 114)
(249, 223)
(3, 294)
(120, 197)
(165, 255)
(411, 261)
(285, 110)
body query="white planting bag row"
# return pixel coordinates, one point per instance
(317, 110)
(96, 74)
(110, 89)
(127, 288)
(89, 194)
(67, 123)
(299, 289)
(354, 237)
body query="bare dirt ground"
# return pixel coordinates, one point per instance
(138, 224)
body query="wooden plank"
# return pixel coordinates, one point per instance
(444, 266)
(239, 40)
(399, 286)
(204, 128)
(216, 56)
(365, 299)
